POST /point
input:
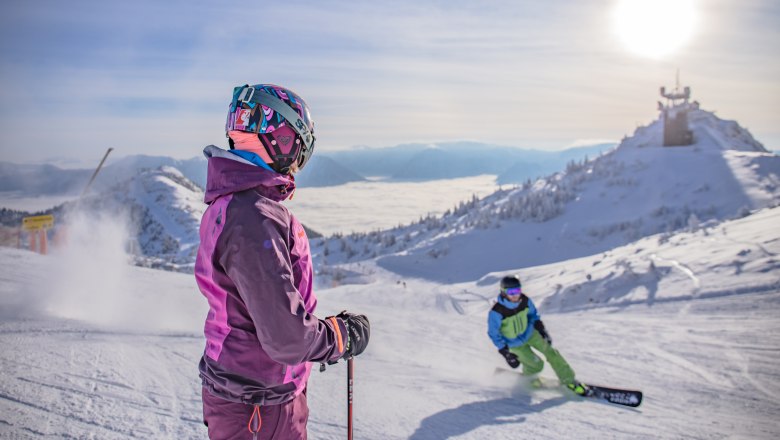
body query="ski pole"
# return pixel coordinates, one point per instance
(350, 372)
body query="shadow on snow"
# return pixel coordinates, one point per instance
(470, 416)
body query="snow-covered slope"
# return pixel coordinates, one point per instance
(130, 166)
(162, 210)
(730, 258)
(98, 349)
(638, 189)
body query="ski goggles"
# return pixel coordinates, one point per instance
(513, 291)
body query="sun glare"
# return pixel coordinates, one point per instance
(654, 28)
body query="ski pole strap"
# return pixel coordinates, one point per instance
(337, 329)
(254, 425)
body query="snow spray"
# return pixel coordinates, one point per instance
(89, 277)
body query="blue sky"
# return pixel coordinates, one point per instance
(154, 77)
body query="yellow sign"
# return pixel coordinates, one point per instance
(37, 222)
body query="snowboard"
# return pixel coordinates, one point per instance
(617, 396)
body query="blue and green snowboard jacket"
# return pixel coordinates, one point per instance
(512, 323)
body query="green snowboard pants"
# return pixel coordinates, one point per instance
(532, 364)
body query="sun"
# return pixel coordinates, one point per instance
(654, 28)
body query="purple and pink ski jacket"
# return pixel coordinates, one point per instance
(254, 268)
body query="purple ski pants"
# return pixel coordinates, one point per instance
(228, 420)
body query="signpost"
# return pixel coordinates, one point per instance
(37, 225)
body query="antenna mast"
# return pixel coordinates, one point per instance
(677, 81)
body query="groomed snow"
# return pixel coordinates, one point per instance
(110, 351)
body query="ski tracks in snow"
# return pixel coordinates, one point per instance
(682, 268)
(686, 271)
(89, 394)
(685, 365)
(464, 302)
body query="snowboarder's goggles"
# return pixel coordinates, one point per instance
(513, 291)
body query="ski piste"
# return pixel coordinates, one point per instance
(617, 396)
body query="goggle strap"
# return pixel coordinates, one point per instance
(287, 112)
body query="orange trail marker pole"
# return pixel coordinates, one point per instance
(42, 239)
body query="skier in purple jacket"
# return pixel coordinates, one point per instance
(254, 268)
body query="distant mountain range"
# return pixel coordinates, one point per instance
(449, 160)
(35, 180)
(404, 162)
(325, 171)
(616, 196)
(39, 180)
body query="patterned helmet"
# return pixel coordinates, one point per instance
(279, 118)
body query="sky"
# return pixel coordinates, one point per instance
(150, 77)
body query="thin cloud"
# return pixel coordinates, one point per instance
(156, 76)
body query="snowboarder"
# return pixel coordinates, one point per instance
(254, 267)
(515, 328)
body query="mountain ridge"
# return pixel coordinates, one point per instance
(415, 162)
(638, 189)
(634, 190)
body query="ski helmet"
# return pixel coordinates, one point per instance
(279, 118)
(511, 282)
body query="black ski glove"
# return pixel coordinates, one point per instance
(358, 332)
(539, 326)
(510, 357)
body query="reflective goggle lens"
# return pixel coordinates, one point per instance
(513, 291)
(306, 154)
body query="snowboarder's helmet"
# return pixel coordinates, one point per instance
(279, 118)
(511, 283)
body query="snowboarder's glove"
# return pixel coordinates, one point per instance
(539, 326)
(510, 357)
(358, 332)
